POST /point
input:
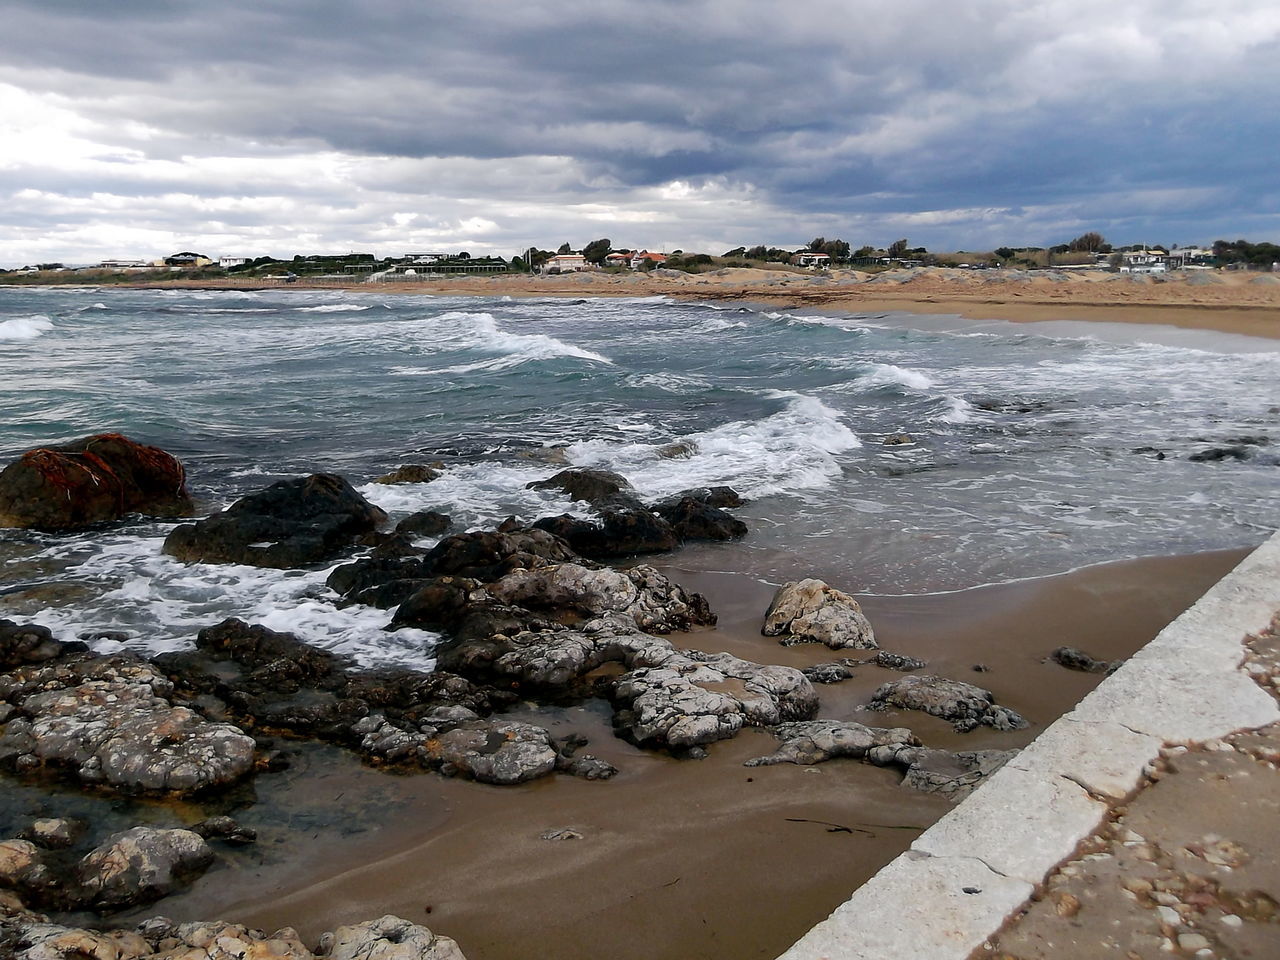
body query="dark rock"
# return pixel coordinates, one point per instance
(963, 704)
(99, 478)
(410, 473)
(424, 523)
(809, 611)
(1216, 454)
(695, 520)
(898, 439)
(1074, 659)
(491, 751)
(833, 672)
(22, 643)
(438, 604)
(279, 661)
(680, 450)
(293, 523)
(225, 829)
(711, 496)
(592, 486)
(351, 580)
(618, 533)
(897, 661)
(141, 865)
(488, 556)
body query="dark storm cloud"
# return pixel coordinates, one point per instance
(879, 117)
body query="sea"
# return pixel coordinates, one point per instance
(1029, 449)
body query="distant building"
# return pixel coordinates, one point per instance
(226, 263)
(819, 261)
(640, 256)
(1144, 261)
(423, 258)
(618, 258)
(125, 264)
(565, 263)
(187, 259)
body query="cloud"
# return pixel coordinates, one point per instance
(245, 126)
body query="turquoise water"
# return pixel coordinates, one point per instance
(1028, 458)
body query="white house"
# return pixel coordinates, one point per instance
(819, 261)
(565, 263)
(1145, 261)
(227, 262)
(640, 256)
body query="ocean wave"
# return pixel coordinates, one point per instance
(888, 374)
(958, 410)
(25, 328)
(792, 450)
(335, 308)
(480, 333)
(162, 603)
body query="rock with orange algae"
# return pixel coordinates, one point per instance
(97, 479)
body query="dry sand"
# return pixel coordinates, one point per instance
(683, 859)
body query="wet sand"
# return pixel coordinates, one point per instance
(678, 859)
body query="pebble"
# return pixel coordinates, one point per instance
(1231, 920)
(1192, 941)
(1170, 916)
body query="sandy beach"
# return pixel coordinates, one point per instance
(681, 858)
(1228, 302)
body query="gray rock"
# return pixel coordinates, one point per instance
(410, 473)
(952, 775)
(491, 751)
(108, 718)
(388, 938)
(809, 611)
(655, 603)
(966, 706)
(898, 661)
(1074, 659)
(815, 741)
(141, 865)
(53, 834)
(226, 829)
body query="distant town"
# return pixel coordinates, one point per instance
(1090, 251)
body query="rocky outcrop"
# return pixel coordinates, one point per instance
(964, 705)
(653, 602)
(23, 643)
(618, 533)
(494, 751)
(591, 486)
(410, 473)
(694, 519)
(97, 479)
(29, 936)
(109, 720)
(293, 523)
(424, 523)
(141, 865)
(1074, 659)
(952, 775)
(809, 611)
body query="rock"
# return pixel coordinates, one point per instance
(100, 478)
(711, 496)
(388, 938)
(410, 473)
(951, 775)
(592, 486)
(809, 611)
(488, 556)
(693, 519)
(19, 860)
(680, 450)
(897, 661)
(1074, 659)
(279, 660)
(1217, 454)
(53, 833)
(293, 523)
(653, 602)
(424, 523)
(618, 533)
(898, 439)
(491, 751)
(833, 672)
(22, 643)
(966, 706)
(109, 719)
(225, 829)
(141, 865)
(815, 741)
(564, 833)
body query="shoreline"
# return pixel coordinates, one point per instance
(698, 842)
(1234, 304)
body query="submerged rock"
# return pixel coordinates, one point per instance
(99, 478)
(409, 473)
(1074, 659)
(966, 706)
(809, 611)
(109, 720)
(591, 486)
(815, 741)
(141, 865)
(292, 523)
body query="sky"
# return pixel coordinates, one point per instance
(139, 129)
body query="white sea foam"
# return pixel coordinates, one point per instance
(885, 374)
(161, 604)
(958, 410)
(480, 332)
(25, 328)
(476, 495)
(335, 308)
(717, 325)
(795, 449)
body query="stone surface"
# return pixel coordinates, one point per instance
(694, 519)
(424, 523)
(141, 865)
(410, 473)
(809, 611)
(617, 533)
(592, 486)
(97, 479)
(966, 706)
(22, 643)
(494, 751)
(389, 938)
(108, 719)
(815, 741)
(292, 523)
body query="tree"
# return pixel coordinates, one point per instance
(817, 244)
(597, 250)
(564, 248)
(757, 253)
(1091, 242)
(1005, 253)
(735, 252)
(835, 249)
(863, 252)
(897, 248)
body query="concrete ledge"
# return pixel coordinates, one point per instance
(1004, 839)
